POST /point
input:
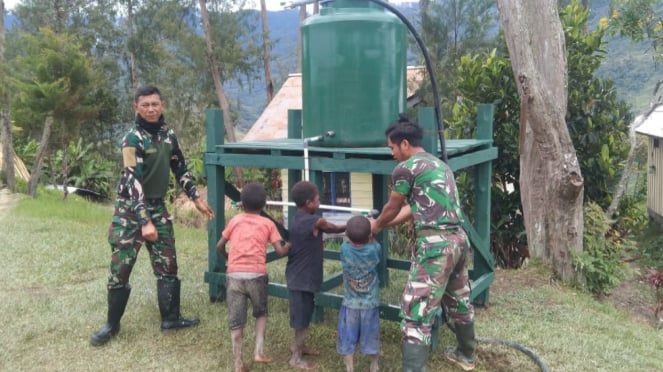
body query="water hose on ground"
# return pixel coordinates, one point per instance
(527, 351)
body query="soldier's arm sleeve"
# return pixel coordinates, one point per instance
(180, 169)
(132, 176)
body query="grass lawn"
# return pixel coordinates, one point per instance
(53, 298)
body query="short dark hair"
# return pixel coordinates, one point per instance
(147, 90)
(302, 192)
(358, 229)
(253, 197)
(404, 129)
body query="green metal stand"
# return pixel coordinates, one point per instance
(288, 154)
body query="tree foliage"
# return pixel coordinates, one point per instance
(451, 29)
(640, 20)
(166, 47)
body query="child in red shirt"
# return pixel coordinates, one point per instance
(246, 275)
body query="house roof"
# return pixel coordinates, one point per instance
(653, 126)
(273, 122)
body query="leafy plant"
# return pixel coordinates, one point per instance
(402, 239)
(600, 263)
(84, 168)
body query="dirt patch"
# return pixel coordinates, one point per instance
(515, 279)
(7, 202)
(638, 299)
(633, 296)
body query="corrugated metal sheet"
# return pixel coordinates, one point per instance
(653, 126)
(655, 175)
(273, 122)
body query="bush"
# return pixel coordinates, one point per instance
(600, 265)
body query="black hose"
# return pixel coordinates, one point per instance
(429, 68)
(527, 351)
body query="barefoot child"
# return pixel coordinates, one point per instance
(359, 316)
(304, 268)
(246, 276)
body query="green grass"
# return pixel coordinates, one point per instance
(53, 298)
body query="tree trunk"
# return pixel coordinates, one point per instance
(7, 148)
(216, 74)
(65, 169)
(218, 84)
(5, 115)
(132, 55)
(269, 85)
(551, 183)
(39, 157)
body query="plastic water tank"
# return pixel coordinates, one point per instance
(353, 73)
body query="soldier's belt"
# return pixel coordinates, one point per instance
(430, 232)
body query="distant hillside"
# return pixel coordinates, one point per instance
(283, 27)
(628, 64)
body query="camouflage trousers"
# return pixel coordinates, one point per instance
(438, 277)
(126, 238)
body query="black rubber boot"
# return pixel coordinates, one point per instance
(117, 302)
(169, 306)
(415, 357)
(463, 354)
(465, 338)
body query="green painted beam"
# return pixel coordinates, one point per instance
(331, 255)
(398, 264)
(332, 281)
(481, 284)
(468, 160)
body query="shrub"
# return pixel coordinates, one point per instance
(600, 265)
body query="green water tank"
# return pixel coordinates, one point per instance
(353, 73)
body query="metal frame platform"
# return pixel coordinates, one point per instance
(288, 153)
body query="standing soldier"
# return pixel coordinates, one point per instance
(424, 189)
(150, 151)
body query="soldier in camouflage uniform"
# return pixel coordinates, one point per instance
(424, 189)
(150, 151)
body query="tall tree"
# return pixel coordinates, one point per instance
(450, 29)
(551, 182)
(216, 74)
(269, 84)
(53, 80)
(5, 112)
(131, 36)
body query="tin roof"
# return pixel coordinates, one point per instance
(273, 122)
(653, 126)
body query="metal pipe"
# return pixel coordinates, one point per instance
(366, 212)
(321, 137)
(296, 3)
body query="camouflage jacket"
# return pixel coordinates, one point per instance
(430, 188)
(147, 161)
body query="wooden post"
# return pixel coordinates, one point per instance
(380, 197)
(216, 187)
(482, 185)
